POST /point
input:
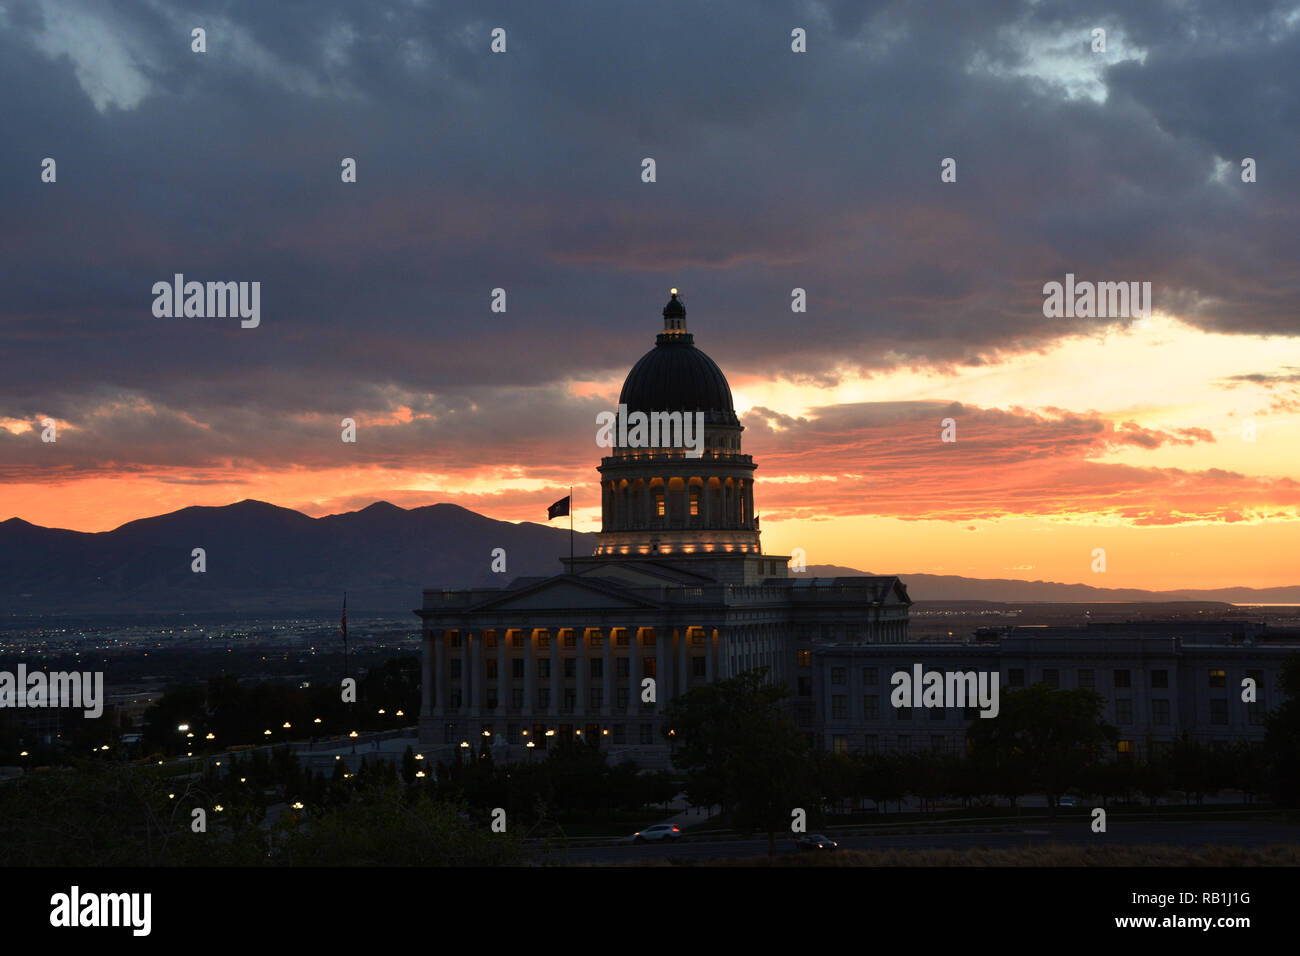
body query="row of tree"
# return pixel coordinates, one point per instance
(113, 813)
(737, 746)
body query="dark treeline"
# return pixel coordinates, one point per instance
(737, 747)
(264, 808)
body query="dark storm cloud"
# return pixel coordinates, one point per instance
(522, 171)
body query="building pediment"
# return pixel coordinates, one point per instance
(565, 592)
(641, 574)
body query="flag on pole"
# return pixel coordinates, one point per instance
(559, 509)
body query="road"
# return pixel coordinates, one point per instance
(1175, 833)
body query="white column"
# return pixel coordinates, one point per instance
(580, 666)
(503, 678)
(426, 676)
(440, 672)
(530, 675)
(633, 672)
(464, 675)
(683, 671)
(709, 651)
(607, 677)
(663, 665)
(556, 687)
(478, 679)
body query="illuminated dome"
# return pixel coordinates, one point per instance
(661, 500)
(676, 376)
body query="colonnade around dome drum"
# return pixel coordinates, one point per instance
(679, 503)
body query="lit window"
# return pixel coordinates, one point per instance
(1125, 746)
(1218, 677)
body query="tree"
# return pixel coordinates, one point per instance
(383, 828)
(738, 747)
(1043, 738)
(1282, 739)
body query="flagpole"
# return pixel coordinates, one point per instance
(570, 529)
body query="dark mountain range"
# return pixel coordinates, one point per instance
(264, 558)
(951, 587)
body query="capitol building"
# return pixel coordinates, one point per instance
(680, 591)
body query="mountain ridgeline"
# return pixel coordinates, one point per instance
(260, 557)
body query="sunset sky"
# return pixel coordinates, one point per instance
(1171, 442)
